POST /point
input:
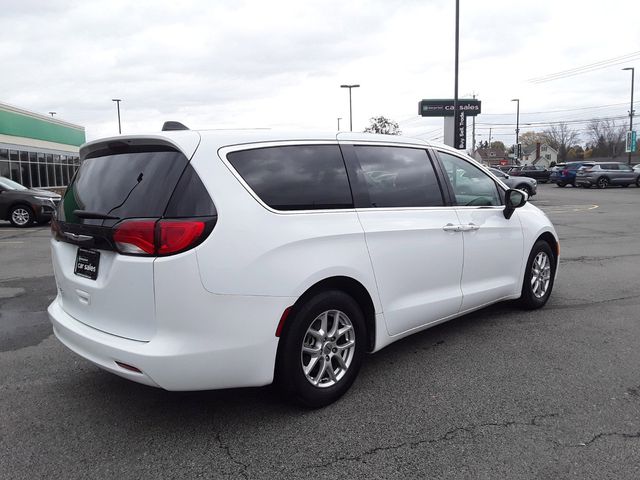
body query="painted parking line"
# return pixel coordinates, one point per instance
(4, 243)
(570, 208)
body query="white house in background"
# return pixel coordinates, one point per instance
(539, 154)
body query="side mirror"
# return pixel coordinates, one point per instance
(506, 176)
(513, 199)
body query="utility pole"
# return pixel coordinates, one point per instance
(350, 110)
(117, 100)
(456, 113)
(490, 136)
(339, 118)
(631, 107)
(516, 151)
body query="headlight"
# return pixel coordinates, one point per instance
(44, 198)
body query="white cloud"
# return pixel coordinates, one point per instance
(280, 63)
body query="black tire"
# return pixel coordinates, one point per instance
(290, 375)
(638, 182)
(525, 188)
(561, 185)
(529, 300)
(603, 182)
(21, 216)
(624, 185)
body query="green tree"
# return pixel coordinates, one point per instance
(383, 125)
(498, 145)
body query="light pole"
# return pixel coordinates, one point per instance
(339, 118)
(517, 152)
(350, 110)
(456, 113)
(117, 100)
(52, 114)
(631, 108)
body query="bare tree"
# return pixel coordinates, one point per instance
(531, 138)
(606, 137)
(561, 137)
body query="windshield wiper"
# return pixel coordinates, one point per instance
(94, 215)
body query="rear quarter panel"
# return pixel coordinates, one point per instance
(254, 250)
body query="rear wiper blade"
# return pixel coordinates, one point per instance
(95, 215)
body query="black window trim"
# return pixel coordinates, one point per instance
(224, 151)
(361, 196)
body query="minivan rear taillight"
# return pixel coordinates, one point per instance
(178, 235)
(159, 237)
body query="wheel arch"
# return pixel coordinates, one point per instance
(351, 287)
(553, 243)
(18, 203)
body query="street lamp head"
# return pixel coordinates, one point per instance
(515, 99)
(116, 100)
(628, 68)
(349, 86)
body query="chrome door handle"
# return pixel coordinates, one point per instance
(450, 227)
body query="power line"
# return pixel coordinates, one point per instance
(563, 110)
(585, 68)
(568, 122)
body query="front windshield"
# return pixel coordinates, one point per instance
(10, 184)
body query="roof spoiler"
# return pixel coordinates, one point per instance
(168, 126)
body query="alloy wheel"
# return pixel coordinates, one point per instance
(328, 348)
(21, 216)
(540, 274)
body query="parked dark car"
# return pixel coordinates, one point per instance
(23, 206)
(541, 174)
(565, 174)
(526, 184)
(504, 168)
(604, 174)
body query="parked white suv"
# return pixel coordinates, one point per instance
(202, 260)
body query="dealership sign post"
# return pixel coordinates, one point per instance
(454, 135)
(630, 144)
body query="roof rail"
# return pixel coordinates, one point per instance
(170, 125)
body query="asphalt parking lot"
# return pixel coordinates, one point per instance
(500, 393)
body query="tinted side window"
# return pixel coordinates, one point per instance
(300, 177)
(471, 185)
(397, 177)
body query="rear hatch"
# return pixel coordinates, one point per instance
(108, 227)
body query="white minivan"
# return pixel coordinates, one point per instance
(192, 260)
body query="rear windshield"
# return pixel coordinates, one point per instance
(130, 184)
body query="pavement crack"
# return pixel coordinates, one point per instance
(243, 466)
(448, 435)
(598, 436)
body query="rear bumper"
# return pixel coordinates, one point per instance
(237, 352)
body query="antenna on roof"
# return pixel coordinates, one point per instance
(173, 126)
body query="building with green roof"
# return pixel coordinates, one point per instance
(36, 150)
